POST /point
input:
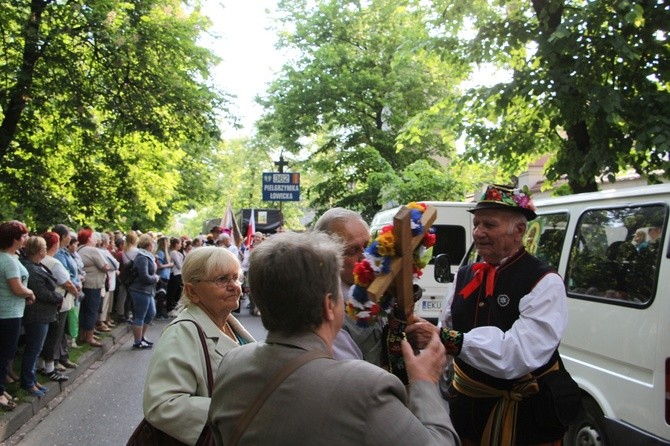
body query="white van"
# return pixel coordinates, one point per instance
(617, 345)
(453, 230)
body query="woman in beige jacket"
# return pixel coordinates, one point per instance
(176, 399)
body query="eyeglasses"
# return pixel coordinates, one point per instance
(353, 250)
(223, 281)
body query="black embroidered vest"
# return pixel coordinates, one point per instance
(515, 279)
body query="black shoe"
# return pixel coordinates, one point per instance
(142, 345)
(147, 341)
(56, 376)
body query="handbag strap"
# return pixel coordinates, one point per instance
(244, 419)
(208, 362)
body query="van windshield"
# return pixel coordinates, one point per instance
(615, 253)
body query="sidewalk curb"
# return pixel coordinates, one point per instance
(11, 422)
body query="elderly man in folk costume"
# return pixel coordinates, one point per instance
(503, 324)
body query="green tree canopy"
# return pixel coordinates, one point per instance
(589, 85)
(361, 71)
(107, 118)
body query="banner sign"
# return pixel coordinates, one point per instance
(281, 186)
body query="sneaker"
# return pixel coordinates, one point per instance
(60, 367)
(142, 345)
(56, 376)
(147, 341)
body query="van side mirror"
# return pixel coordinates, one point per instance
(442, 269)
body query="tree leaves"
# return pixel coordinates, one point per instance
(362, 72)
(117, 120)
(589, 84)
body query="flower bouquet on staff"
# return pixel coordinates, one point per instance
(376, 262)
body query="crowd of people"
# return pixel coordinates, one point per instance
(60, 289)
(488, 373)
(479, 377)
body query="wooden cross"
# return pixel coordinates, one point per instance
(401, 272)
(281, 163)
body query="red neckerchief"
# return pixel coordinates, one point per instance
(481, 269)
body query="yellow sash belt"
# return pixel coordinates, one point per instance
(500, 427)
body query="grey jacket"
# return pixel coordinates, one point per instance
(145, 265)
(325, 402)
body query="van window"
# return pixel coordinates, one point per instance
(381, 219)
(449, 239)
(544, 239)
(545, 235)
(606, 260)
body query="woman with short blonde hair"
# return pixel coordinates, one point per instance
(176, 399)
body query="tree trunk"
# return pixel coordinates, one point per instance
(579, 134)
(19, 94)
(549, 14)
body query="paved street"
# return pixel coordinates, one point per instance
(105, 405)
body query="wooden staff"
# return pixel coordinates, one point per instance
(400, 272)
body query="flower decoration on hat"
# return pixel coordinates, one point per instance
(507, 197)
(377, 261)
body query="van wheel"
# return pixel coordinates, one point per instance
(589, 429)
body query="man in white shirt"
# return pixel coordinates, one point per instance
(503, 324)
(225, 240)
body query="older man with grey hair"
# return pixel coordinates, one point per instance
(503, 323)
(227, 240)
(354, 341)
